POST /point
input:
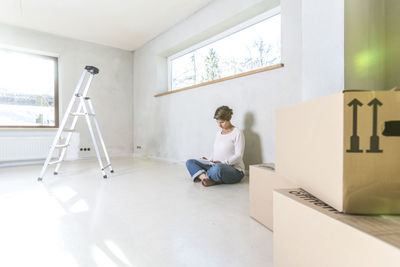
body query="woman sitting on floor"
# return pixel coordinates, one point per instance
(226, 165)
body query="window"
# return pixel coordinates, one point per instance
(28, 90)
(253, 45)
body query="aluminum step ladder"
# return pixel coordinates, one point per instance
(84, 109)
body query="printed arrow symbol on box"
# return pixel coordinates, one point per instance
(374, 139)
(354, 139)
(355, 103)
(375, 102)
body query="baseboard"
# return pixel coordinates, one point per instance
(41, 161)
(136, 155)
(21, 163)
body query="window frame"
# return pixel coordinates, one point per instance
(56, 88)
(241, 26)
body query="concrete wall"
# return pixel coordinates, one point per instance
(365, 43)
(392, 44)
(181, 126)
(322, 47)
(372, 44)
(111, 89)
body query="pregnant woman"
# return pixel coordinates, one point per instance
(226, 164)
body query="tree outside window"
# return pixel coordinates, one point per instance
(254, 47)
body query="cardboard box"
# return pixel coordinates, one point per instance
(309, 233)
(263, 180)
(338, 149)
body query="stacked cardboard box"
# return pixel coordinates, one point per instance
(309, 233)
(263, 181)
(343, 149)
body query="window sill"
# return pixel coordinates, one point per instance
(223, 79)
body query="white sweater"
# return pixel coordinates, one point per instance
(229, 148)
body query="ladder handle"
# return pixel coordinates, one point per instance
(92, 70)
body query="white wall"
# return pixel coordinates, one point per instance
(372, 44)
(322, 47)
(181, 126)
(392, 44)
(365, 42)
(111, 89)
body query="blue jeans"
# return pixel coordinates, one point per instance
(219, 172)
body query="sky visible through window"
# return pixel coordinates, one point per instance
(26, 89)
(254, 47)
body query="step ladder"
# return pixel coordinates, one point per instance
(84, 109)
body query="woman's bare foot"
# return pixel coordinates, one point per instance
(209, 182)
(202, 176)
(206, 181)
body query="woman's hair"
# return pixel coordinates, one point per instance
(223, 113)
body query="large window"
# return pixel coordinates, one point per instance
(253, 45)
(28, 90)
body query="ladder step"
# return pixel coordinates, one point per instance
(85, 98)
(69, 130)
(61, 146)
(108, 165)
(82, 114)
(55, 162)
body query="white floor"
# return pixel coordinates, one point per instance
(148, 213)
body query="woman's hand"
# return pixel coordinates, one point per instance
(215, 162)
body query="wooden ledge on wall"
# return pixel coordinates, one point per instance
(272, 67)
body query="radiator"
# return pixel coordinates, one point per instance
(24, 147)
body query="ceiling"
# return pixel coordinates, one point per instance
(124, 24)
